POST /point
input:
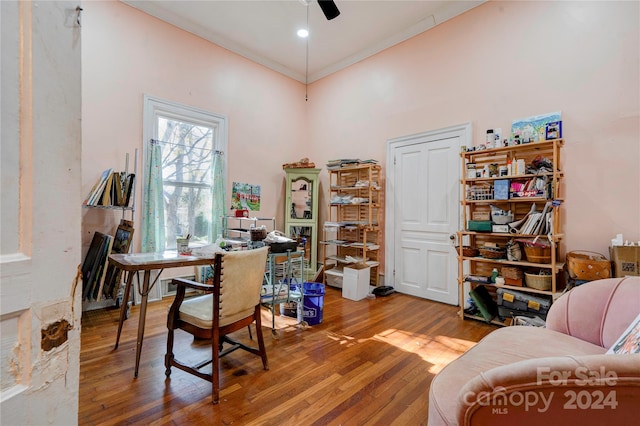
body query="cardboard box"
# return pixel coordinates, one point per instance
(626, 260)
(355, 281)
(500, 229)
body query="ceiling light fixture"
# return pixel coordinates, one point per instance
(302, 33)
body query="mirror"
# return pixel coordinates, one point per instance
(301, 197)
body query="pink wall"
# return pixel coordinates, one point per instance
(126, 53)
(498, 62)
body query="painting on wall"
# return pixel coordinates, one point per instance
(532, 129)
(245, 196)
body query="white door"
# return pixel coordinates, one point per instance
(423, 204)
(40, 213)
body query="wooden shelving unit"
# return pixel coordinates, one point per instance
(352, 234)
(481, 266)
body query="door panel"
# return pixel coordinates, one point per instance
(425, 213)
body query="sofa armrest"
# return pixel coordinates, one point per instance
(594, 389)
(598, 311)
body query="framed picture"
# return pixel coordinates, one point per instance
(553, 130)
(532, 129)
(122, 239)
(121, 243)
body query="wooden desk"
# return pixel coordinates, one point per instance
(132, 264)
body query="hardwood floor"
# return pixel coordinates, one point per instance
(369, 362)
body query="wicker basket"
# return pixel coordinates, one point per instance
(258, 234)
(493, 253)
(537, 254)
(587, 265)
(468, 251)
(537, 281)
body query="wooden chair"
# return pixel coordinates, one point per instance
(233, 303)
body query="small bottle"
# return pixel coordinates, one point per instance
(509, 167)
(494, 275)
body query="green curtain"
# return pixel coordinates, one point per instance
(218, 196)
(153, 236)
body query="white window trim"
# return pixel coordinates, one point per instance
(154, 106)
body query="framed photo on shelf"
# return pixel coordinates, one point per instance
(123, 237)
(553, 130)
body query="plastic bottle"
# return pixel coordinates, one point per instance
(494, 275)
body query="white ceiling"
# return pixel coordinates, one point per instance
(265, 30)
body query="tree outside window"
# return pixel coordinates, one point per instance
(187, 159)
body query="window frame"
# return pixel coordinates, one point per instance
(154, 107)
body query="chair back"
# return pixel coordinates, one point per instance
(241, 276)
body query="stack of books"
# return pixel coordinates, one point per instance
(112, 189)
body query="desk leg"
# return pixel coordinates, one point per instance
(141, 319)
(124, 305)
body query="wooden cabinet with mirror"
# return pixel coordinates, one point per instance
(301, 213)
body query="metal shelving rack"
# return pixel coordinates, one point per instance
(104, 303)
(282, 270)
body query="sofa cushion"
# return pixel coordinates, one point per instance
(501, 347)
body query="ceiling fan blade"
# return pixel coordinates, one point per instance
(329, 9)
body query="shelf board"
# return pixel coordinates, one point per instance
(512, 200)
(531, 146)
(523, 289)
(555, 237)
(334, 273)
(375, 205)
(92, 206)
(471, 181)
(530, 290)
(353, 188)
(559, 265)
(494, 321)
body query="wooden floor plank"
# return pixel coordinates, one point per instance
(368, 362)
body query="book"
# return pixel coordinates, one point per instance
(128, 189)
(100, 279)
(98, 188)
(105, 199)
(501, 189)
(91, 263)
(629, 340)
(116, 189)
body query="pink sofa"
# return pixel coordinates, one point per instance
(558, 375)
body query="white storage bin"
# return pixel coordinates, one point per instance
(355, 281)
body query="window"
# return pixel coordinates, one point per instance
(189, 140)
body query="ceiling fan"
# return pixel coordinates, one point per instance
(329, 9)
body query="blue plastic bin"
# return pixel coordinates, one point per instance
(313, 304)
